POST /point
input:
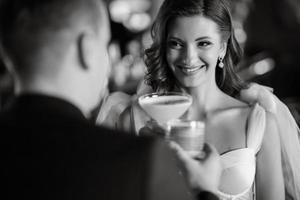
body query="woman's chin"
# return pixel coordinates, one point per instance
(191, 84)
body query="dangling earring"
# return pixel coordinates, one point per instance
(221, 64)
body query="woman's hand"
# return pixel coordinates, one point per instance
(152, 128)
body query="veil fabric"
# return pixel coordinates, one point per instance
(288, 132)
(290, 149)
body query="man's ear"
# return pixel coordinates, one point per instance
(85, 50)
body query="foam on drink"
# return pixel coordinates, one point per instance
(165, 107)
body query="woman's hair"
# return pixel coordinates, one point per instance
(159, 76)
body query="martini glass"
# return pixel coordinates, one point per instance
(163, 107)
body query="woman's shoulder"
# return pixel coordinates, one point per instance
(231, 109)
(228, 124)
(232, 119)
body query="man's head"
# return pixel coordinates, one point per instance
(56, 46)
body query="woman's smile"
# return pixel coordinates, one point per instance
(190, 70)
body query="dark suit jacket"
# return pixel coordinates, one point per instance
(50, 151)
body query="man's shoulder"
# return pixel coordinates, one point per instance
(72, 134)
(125, 140)
(5, 115)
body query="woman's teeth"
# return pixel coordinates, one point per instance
(190, 70)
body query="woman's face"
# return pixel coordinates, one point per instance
(193, 48)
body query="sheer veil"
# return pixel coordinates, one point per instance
(290, 149)
(289, 136)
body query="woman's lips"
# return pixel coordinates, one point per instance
(190, 70)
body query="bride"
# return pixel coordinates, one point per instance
(194, 51)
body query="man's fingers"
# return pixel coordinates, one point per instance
(209, 152)
(182, 155)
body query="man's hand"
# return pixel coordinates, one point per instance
(202, 173)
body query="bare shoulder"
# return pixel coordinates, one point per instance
(226, 127)
(232, 112)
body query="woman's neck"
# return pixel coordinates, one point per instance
(206, 99)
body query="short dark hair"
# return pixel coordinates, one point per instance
(26, 26)
(159, 76)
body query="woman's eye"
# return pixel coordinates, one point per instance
(174, 44)
(204, 44)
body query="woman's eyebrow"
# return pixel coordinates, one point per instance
(202, 38)
(197, 39)
(174, 38)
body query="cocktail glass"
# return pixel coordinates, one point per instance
(189, 134)
(163, 107)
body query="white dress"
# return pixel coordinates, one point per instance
(238, 175)
(242, 160)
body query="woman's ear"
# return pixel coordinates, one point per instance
(85, 46)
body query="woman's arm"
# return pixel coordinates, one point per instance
(112, 107)
(269, 175)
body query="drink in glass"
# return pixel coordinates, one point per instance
(163, 107)
(188, 134)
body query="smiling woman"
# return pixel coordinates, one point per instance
(195, 51)
(159, 76)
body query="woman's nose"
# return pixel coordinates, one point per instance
(190, 55)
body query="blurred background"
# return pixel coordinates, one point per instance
(268, 30)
